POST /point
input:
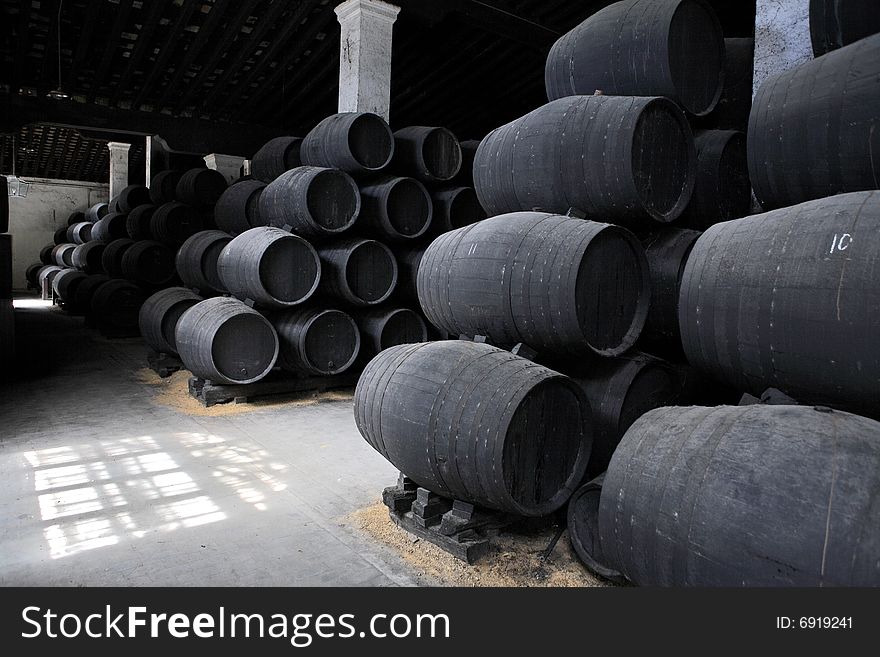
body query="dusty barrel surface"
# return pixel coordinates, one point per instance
(66, 283)
(388, 327)
(468, 149)
(117, 303)
(313, 201)
(172, 223)
(196, 261)
(318, 341)
(672, 48)
(238, 208)
(132, 196)
(620, 390)
(583, 529)
(62, 254)
(163, 186)
(223, 340)
(667, 251)
(48, 273)
(395, 208)
(111, 258)
(732, 110)
(455, 207)
(138, 222)
(428, 153)
(76, 217)
(46, 253)
(60, 236)
(87, 257)
(361, 272)
(79, 233)
(722, 190)
(200, 187)
(476, 423)
(84, 292)
(149, 262)
(356, 142)
(97, 211)
(275, 157)
(159, 315)
(744, 496)
(270, 266)
(557, 284)
(111, 226)
(620, 159)
(834, 24)
(790, 299)
(813, 129)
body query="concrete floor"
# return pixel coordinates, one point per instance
(102, 485)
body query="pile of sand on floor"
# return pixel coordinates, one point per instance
(173, 392)
(515, 559)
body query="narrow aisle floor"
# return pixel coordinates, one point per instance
(103, 484)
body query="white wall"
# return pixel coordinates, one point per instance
(782, 37)
(34, 218)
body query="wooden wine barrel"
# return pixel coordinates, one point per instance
(82, 296)
(732, 110)
(223, 340)
(138, 223)
(395, 208)
(31, 272)
(313, 201)
(813, 129)
(97, 211)
(316, 340)
(583, 529)
(549, 159)
(149, 263)
(197, 261)
(672, 48)
(65, 285)
(560, 285)
(60, 236)
(46, 253)
(62, 255)
(427, 153)
(356, 142)
(408, 270)
(79, 233)
(113, 206)
(238, 208)
(722, 190)
(47, 273)
(112, 226)
(271, 267)
(620, 390)
(158, 317)
(388, 327)
(200, 187)
(667, 251)
(132, 196)
(275, 157)
(117, 303)
(744, 496)
(111, 258)
(76, 217)
(163, 186)
(172, 223)
(790, 299)
(455, 207)
(361, 272)
(477, 424)
(87, 257)
(838, 23)
(468, 149)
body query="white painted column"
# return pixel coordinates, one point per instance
(118, 167)
(782, 37)
(228, 165)
(365, 55)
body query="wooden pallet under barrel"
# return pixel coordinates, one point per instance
(276, 383)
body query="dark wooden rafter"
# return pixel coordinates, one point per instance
(141, 47)
(84, 43)
(119, 21)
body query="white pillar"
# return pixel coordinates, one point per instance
(118, 167)
(365, 56)
(228, 165)
(782, 37)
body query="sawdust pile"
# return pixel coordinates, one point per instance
(173, 392)
(514, 561)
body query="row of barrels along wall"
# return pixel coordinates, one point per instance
(482, 281)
